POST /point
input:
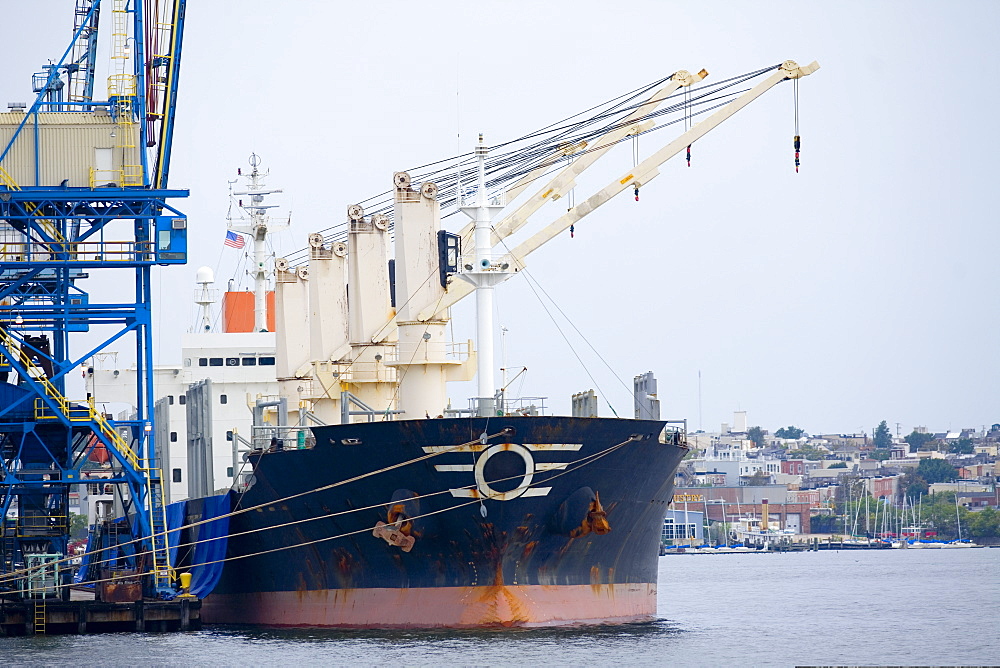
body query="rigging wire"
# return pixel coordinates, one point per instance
(299, 494)
(585, 339)
(505, 167)
(532, 282)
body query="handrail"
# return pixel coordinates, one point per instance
(158, 528)
(77, 251)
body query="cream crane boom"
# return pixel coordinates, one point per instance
(642, 174)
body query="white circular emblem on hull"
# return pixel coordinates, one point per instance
(529, 471)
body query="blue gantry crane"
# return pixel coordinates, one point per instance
(83, 189)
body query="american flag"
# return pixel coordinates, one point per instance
(234, 240)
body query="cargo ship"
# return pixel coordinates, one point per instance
(465, 522)
(363, 497)
(497, 514)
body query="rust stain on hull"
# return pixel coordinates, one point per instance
(596, 520)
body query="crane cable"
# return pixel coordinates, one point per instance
(445, 187)
(532, 282)
(797, 142)
(559, 136)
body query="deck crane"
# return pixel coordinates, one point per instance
(639, 175)
(484, 268)
(481, 267)
(98, 202)
(371, 356)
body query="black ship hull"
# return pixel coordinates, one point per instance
(549, 520)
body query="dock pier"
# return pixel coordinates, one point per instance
(54, 617)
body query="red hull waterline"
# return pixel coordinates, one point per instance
(453, 607)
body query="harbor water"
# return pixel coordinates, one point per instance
(888, 607)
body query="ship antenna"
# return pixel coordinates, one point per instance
(484, 273)
(257, 228)
(205, 296)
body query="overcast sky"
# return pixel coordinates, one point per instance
(862, 289)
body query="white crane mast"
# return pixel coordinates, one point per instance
(484, 274)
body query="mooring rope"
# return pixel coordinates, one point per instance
(580, 463)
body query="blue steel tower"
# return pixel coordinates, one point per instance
(83, 189)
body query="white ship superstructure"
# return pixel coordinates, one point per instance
(205, 404)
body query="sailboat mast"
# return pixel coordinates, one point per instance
(958, 518)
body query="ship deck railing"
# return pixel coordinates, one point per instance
(447, 352)
(281, 437)
(500, 406)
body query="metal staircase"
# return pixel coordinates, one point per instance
(70, 412)
(76, 413)
(163, 572)
(47, 225)
(80, 69)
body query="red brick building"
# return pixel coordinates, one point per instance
(794, 516)
(793, 466)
